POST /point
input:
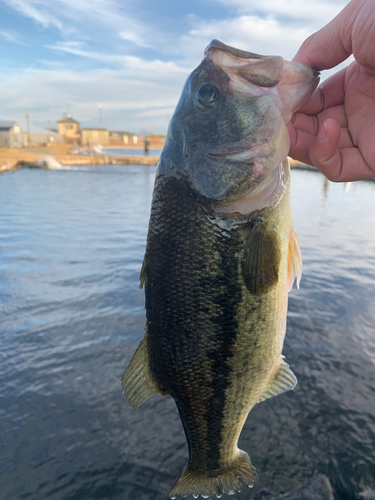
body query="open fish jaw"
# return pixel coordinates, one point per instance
(220, 258)
(288, 84)
(291, 82)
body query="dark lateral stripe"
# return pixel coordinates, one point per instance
(227, 328)
(192, 272)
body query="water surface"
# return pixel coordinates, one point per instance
(72, 314)
(126, 152)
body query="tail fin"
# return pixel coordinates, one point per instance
(193, 483)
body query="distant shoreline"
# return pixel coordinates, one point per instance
(15, 159)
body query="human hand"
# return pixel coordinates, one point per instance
(335, 129)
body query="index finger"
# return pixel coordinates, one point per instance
(330, 93)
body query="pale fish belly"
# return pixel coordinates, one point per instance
(259, 344)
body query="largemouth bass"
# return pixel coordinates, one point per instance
(221, 256)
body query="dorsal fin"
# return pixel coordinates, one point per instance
(283, 380)
(138, 382)
(294, 260)
(143, 275)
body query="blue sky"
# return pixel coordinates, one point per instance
(131, 57)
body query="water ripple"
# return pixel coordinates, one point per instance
(71, 249)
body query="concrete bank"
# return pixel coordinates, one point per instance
(31, 161)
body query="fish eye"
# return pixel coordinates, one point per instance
(206, 96)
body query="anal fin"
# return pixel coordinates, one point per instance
(294, 260)
(138, 382)
(283, 380)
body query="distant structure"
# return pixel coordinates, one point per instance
(69, 129)
(95, 136)
(121, 138)
(72, 132)
(39, 136)
(12, 136)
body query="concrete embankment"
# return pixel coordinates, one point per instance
(30, 159)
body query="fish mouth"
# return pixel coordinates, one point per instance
(291, 83)
(263, 157)
(247, 155)
(263, 161)
(263, 195)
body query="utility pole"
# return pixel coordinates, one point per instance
(28, 130)
(100, 106)
(49, 125)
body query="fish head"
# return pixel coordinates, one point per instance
(228, 134)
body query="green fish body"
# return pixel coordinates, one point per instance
(221, 256)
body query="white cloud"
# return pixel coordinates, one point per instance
(159, 112)
(132, 98)
(135, 38)
(41, 16)
(11, 37)
(316, 13)
(263, 36)
(88, 19)
(279, 31)
(154, 69)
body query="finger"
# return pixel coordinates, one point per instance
(312, 124)
(305, 123)
(339, 165)
(335, 36)
(346, 140)
(300, 143)
(330, 93)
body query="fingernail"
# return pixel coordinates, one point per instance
(322, 134)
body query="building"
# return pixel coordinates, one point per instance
(69, 129)
(123, 138)
(40, 136)
(11, 135)
(95, 136)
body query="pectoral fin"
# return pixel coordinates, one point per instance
(261, 259)
(138, 382)
(283, 380)
(294, 260)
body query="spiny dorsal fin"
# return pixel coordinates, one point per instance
(138, 382)
(143, 275)
(283, 380)
(261, 259)
(294, 260)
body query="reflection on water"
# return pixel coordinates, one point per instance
(71, 248)
(325, 189)
(123, 152)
